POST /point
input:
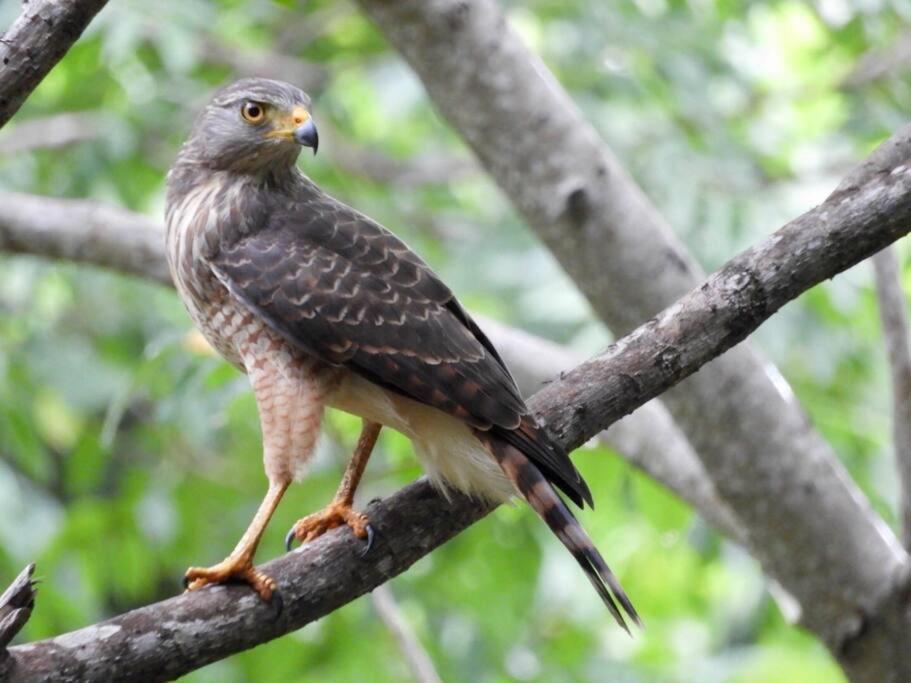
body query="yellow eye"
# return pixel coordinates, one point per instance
(253, 112)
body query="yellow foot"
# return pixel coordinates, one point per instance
(333, 515)
(231, 569)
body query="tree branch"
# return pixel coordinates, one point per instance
(415, 655)
(83, 231)
(880, 63)
(16, 605)
(820, 539)
(51, 132)
(898, 348)
(167, 639)
(35, 42)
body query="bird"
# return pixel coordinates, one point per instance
(323, 307)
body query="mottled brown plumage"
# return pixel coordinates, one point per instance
(320, 305)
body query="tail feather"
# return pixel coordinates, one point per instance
(542, 497)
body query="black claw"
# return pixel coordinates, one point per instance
(369, 541)
(185, 581)
(289, 540)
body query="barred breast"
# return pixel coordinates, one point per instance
(290, 386)
(192, 220)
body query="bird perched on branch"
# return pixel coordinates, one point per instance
(321, 306)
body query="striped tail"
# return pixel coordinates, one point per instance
(542, 497)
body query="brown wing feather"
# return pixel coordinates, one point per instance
(348, 291)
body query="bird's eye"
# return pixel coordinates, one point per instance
(253, 112)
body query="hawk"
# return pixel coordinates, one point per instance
(321, 306)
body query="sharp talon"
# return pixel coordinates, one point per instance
(289, 540)
(369, 545)
(186, 582)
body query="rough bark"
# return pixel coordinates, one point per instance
(83, 231)
(16, 605)
(35, 42)
(766, 461)
(894, 318)
(175, 636)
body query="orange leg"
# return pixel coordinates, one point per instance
(339, 512)
(239, 564)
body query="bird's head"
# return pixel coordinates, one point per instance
(252, 125)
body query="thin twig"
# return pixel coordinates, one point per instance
(415, 655)
(894, 317)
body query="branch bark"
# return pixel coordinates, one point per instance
(110, 237)
(807, 522)
(894, 318)
(35, 42)
(167, 639)
(83, 231)
(16, 605)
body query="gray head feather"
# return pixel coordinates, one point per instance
(222, 139)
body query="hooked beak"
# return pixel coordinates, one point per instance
(298, 126)
(307, 135)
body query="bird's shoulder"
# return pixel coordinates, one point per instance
(313, 263)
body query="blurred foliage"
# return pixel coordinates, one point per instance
(127, 455)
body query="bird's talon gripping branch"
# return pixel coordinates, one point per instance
(340, 512)
(369, 544)
(231, 569)
(336, 514)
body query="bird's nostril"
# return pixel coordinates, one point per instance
(298, 120)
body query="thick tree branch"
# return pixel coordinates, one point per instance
(110, 237)
(83, 231)
(806, 521)
(167, 639)
(35, 42)
(894, 318)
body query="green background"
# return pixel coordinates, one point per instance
(126, 454)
